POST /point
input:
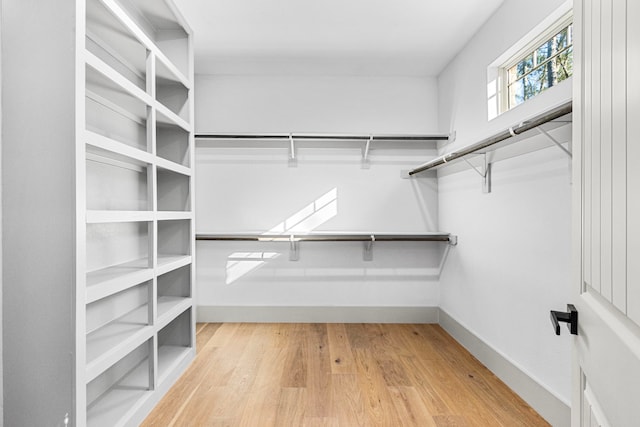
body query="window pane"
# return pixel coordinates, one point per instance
(545, 51)
(562, 39)
(550, 63)
(535, 82)
(516, 93)
(563, 64)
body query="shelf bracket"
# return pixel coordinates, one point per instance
(292, 151)
(365, 153)
(367, 252)
(294, 249)
(485, 173)
(555, 141)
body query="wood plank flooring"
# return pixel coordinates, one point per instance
(336, 375)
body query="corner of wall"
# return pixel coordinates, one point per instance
(1, 287)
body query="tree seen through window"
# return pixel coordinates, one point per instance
(549, 64)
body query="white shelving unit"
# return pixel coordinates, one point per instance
(122, 273)
(140, 236)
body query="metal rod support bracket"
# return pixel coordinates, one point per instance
(453, 240)
(365, 152)
(486, 179)
(367, 252)
(555, 141)
(292, 151)
(485, 174)
(294, 249)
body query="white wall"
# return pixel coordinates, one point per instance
(512, 263)
(356, 104)
(254, 189)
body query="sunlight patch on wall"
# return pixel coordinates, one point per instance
(241, 263)
(311, 216)
(305, 220)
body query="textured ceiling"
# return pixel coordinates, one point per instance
(354, 37)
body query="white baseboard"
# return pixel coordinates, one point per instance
(552, 409)
(272, 314)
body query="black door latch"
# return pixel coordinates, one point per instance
(570, 317)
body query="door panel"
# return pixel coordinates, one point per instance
(606, 180)
(633, 158)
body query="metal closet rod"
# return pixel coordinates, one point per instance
(534, 122)
(349, 137)
(325, 237)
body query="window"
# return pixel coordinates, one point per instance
(545, 66)
(541, 59)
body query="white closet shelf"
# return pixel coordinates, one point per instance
(152, 8)
(105, 216)
(173, 215)
(169, 72)
(114, 39)
(122, 400)
(107, 147)
(108, 281)
(172, 166)
(171, 307)
(117, 81)
(169, 358)
(169, 262)
(166, 116)
(110, 343)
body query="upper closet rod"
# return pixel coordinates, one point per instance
(349, 137)
(536, 121)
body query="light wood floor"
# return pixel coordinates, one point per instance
(336, 375)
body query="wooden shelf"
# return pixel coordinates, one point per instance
(112, 342)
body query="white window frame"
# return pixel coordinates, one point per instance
(497, 79)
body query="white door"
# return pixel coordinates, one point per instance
(606, 286)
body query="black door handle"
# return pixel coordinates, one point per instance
(570, 317)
